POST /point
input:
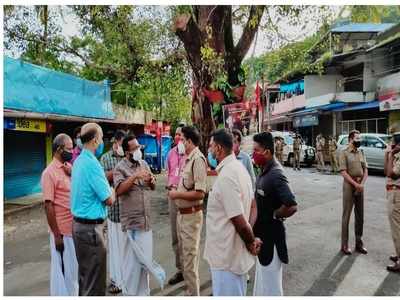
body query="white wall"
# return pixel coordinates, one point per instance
(315, 85)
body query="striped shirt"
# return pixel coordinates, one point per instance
(109, 160)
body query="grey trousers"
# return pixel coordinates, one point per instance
(91, 254)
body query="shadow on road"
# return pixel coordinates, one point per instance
(390, 286)
(328, 282)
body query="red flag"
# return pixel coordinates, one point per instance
(258, 94)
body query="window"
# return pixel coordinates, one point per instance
(372, 141)
(344, 141)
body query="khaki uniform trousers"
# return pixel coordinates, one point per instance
(189, 230)
(351, 199)
(279, 156)
(173, 212)
(393, 198)
(296, 162)
(333, 159)
(320, 160)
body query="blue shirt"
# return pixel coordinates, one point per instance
(89, 187)
(245, 159)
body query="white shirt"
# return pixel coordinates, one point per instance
(231, 196)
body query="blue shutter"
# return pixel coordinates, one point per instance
(24, 162)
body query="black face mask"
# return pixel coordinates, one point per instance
(357, 144)
(66, 156)
(396, 139)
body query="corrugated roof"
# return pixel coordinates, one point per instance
(362, 27)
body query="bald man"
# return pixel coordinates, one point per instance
(90, 193)
(56, 182)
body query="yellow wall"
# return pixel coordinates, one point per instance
(49, 151)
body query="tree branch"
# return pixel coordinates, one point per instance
(249, 31)
(189, 33)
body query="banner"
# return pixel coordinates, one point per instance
(241, 116)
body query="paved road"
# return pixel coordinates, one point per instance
(316, 267)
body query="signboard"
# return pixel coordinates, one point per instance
(241, 116)
(305, 121)
(22, 124)
(389, 100)
(389, 92)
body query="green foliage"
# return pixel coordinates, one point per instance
(374, 14)
(131, 46)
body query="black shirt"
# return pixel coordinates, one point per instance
(272, 191)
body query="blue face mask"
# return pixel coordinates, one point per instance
(99, 150)
(212, 161)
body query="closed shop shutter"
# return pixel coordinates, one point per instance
(24, 162)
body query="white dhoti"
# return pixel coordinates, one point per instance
(63, 284)
(268, 279)
(138, 264)
(225, 283)
(116, 239)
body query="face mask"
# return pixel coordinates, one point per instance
(259, 159)
(357, 144)
(120, 151)
(136, 155)
(79, 143)
(212, 161)
(66, 156)
(181, 148)
(99, 150)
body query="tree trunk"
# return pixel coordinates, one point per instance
(192, 31)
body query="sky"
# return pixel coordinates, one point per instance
(261, 44)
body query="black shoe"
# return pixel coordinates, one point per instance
(178, 277)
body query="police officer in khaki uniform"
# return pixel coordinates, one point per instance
(189, 200)
(392, 171)
(320, 152)
(279, 144)
(332, 154)
(353, 168)
(297, 143)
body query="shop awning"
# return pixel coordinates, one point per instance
(367, 105)
(325, 107)
(279, 119)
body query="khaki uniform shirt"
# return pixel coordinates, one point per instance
(297, 144)
(352, 161)
(135, 204)
(320, 144)
(278, 146)
(332, 145)
(193, 178)
(396, 170)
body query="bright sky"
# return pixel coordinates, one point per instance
(70, 27)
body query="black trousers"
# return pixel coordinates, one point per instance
(91, 254)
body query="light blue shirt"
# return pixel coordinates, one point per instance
(89, 187)
(245, 159)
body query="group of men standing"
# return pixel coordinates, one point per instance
(233, 220)
(76, 196)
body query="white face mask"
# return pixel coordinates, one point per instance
(120, 151)
(181, 148)
(137, 155)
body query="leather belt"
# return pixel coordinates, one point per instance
(190, 210)
(392, 187)
(357, 179)
(88, 221)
